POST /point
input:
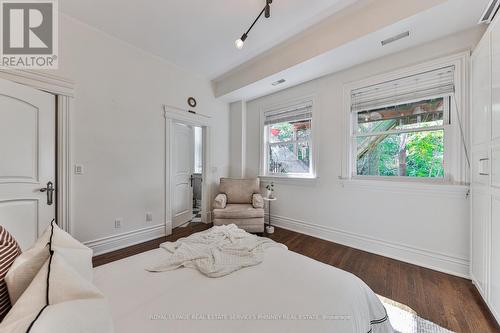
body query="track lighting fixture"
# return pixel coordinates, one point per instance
(267, 13)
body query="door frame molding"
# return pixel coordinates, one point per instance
(174, 114)
(64, 90)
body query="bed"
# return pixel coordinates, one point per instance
(287, 292)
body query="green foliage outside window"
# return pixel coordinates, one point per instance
(289, 150)
(422, 151)
(403, 140)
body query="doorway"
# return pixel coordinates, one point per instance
(28, 160)
(197, 179)
(187, 161)
(63, 91)
(187, 174)
(187, 177)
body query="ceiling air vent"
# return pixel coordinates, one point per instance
(405, 34)
(490, 12)
(277, 83)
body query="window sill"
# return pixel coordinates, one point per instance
(412, 187)
(294, 180)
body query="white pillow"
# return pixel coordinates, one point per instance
(74, 303)
(27, 265)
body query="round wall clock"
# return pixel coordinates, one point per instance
(192, 102)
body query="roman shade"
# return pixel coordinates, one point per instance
(300, 112)
(434, 83)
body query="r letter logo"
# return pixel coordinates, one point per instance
(29, 34)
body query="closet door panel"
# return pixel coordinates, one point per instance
(494, 253)
(480, 217)
(495, 81)
(481, 93)
(495, 167)
(495, 256)
(480, 137)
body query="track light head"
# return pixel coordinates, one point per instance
(240, 42)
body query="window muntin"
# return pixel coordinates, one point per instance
(404, 140)
(404, 116)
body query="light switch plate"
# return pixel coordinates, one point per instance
(78, 169)
(484, 167)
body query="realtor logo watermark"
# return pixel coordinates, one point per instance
(29, 34)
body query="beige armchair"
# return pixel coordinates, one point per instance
(239, 202)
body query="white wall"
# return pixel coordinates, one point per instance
(237, 145)
(118, 130)
(429, 228)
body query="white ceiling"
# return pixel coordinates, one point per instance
(199, 35)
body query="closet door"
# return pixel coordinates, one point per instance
(480, 179)
(495, 171)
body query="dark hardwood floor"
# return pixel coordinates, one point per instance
(449, 301)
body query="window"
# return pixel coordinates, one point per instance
(399, 127)
(288, 141)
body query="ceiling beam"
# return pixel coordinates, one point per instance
(351, 23)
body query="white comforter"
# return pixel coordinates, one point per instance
(216, 252)
(287, 292)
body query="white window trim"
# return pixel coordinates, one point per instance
(263, 174)
(454, 157)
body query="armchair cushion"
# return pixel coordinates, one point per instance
(239, 211)
(239, 191)
(220, 201)
(257, 201)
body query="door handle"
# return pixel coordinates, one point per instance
(50, 193)
(191, 179)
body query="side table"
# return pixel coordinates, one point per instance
(269, 227)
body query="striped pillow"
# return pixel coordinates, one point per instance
(9, 251)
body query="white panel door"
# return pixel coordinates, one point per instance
(481, 93)
(495, 81)
(481, 199)
(183, 155)
(27, 160)
(494, 240)
(480, 218)
(495, 257)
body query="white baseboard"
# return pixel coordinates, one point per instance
(417, 256)
(495, 314)
(481, 291)
(484, 296)
(120, 241)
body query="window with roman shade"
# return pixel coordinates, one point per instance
(399, 126)
(288, 140)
